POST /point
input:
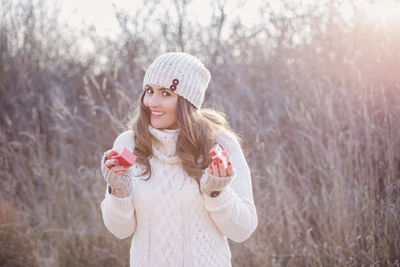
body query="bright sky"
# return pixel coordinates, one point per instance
(79, 13)
(100, 13)
(82, 13)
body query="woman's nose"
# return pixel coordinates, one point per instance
(154, 101)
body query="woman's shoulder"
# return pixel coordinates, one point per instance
(125, 135)
(125, 139)
(227, 138)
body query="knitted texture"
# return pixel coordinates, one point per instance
(210, 183)
(182, 73)
(172, 222)
(120, 184)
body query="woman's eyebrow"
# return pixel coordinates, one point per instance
(161, 88)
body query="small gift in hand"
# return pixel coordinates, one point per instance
(217, 153)
(124, 157)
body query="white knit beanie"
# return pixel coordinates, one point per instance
(182, 73)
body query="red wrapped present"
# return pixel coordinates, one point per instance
(124, 157)
(217, 153)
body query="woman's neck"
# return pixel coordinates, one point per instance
(164, 144)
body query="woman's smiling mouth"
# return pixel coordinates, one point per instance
(157, 114)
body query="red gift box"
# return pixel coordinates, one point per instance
(124, 157)
(217, 153)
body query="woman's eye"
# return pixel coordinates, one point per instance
(149, 91)
(165, 93)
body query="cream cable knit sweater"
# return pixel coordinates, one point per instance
(172, 222)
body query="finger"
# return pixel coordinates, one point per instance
(110, 153)
(111, 162)
(225, 153)
(215, 170)
(229, 170)
(221, 168)
(117, 168)
(120, 171)
(210, 170)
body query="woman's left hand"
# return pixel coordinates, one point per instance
(217, 168)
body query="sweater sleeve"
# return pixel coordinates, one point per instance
(118, 213)
(233, 210)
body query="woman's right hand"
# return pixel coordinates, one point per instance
(115, 175)
(113, 164)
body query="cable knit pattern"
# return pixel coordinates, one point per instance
(172, 222)
(164, 145)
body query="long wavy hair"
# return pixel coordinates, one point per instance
(198, 129)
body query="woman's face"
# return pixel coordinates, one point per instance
(163, 106)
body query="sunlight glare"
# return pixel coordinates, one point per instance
(383, 12)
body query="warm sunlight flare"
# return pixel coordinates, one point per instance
(382, 13)
(80, 14)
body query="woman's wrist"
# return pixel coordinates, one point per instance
(212, 186)
(121, 193)
(120, 184)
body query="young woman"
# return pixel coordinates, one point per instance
(179, 204)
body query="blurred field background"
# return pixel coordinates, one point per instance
(313, 88)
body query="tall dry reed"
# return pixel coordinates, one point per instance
(319, 122)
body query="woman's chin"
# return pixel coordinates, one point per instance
(163, 126)
(157, 125)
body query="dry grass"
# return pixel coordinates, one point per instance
(325, 184)
(320, 130)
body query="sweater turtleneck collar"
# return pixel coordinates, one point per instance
(164, 145)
